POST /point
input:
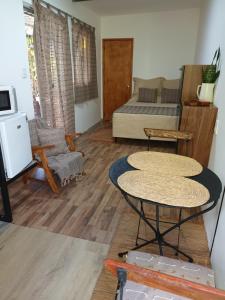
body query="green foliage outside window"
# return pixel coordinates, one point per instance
(32, 65)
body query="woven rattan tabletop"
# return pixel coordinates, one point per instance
(166, 190)
(174, 134)
(165, 163)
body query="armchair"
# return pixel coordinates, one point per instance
(58, 168)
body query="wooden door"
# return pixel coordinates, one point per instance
(117, 74)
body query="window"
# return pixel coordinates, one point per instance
(29, 27)
(84, 58)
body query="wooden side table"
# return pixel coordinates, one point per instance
(170, 134)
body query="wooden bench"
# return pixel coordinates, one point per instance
(169, 134)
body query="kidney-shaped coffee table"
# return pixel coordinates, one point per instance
(202, 190)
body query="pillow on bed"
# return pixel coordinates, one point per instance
(171, 84)
(170, 96)
(147, 95)
(154, 83)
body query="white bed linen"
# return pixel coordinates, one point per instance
(132, 125)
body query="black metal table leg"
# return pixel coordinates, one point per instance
(143, 217)
(178, 250)
(4, 182)
(186, 146)
(7, 215)
(139, 222)
(158, 235)
(121, 254)
(149, 138)
(178, 237)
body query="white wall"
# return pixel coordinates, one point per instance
(14, 59)
(211, 35)
(13, 53)
(163, 41)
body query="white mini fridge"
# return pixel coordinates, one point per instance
(15, 143)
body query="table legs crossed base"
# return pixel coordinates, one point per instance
(159, 236)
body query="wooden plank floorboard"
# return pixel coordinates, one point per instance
(37, 264)
(90, 204)
(193, 241)
(93, 209)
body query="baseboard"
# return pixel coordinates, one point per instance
(95, 126)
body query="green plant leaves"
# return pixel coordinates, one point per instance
(211, 72)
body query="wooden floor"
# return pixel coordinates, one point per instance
(89, 209)
(103, 134)
(92, 209)
(192, 241)
(36, 264)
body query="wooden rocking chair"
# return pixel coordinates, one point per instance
(40, 152)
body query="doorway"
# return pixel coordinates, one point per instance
(117, 74)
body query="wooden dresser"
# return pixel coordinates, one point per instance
(201, 122)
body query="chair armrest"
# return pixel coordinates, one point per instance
(40, 151)
(70, 140)
(171, 284)
(73, 134)
(42, 147)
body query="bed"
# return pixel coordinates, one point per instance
(130, 119)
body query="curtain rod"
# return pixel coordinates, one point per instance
(56, 8)
(65, 13)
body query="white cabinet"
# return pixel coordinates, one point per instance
(15, 143)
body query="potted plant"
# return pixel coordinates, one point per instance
(210, 75)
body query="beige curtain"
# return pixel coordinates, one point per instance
(54, 70)
(84, 58)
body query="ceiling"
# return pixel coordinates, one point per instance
(121, 7)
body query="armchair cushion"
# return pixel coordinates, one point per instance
(33, 127)
(53, 136)
(164, 265)
(174, 267)
(137, 291)
(67, 166)
(33, 132)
